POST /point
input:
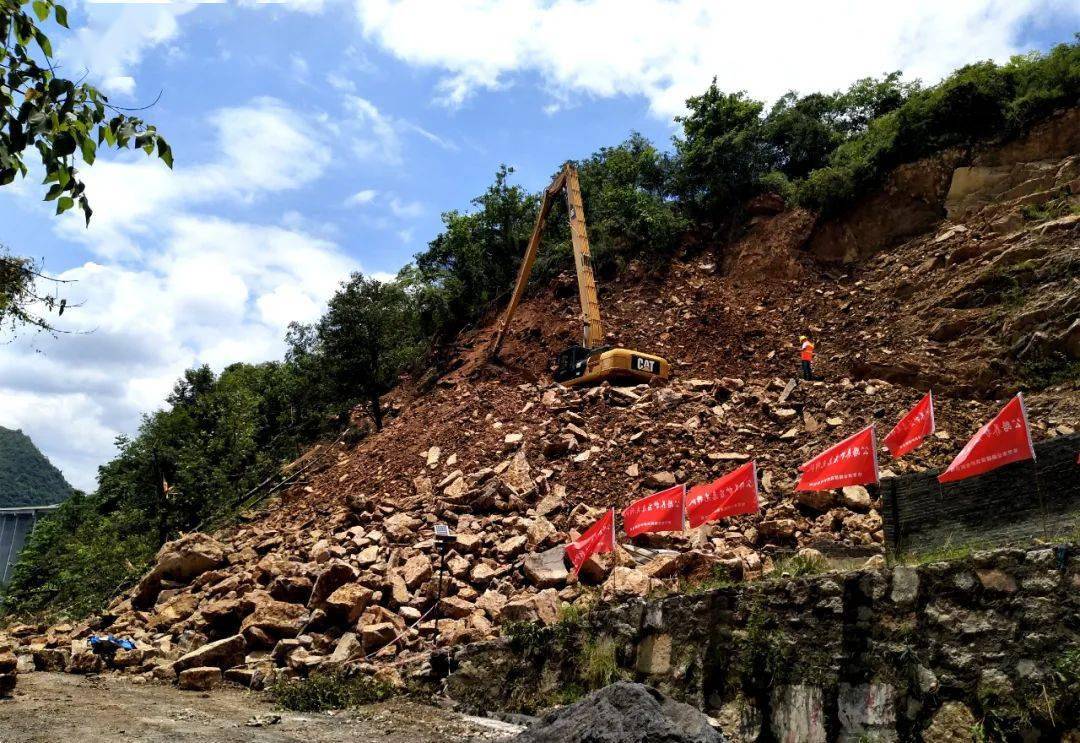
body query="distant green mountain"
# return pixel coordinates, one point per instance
(27, 477)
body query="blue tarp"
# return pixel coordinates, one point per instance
(110, 643)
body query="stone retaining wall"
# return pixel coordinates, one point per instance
(989, 644)
(1010, 504)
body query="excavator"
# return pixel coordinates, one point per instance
(592, 361)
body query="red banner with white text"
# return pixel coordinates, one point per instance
(597, 539)
(733, 494)
(1005, 439)
(851, 462)
(913, 428)
(661, 511)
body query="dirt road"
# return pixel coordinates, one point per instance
(58, 708)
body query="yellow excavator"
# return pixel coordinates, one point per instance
(592, 361)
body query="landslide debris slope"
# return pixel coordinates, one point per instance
(961, 277)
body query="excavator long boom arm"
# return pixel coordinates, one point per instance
(593, 334)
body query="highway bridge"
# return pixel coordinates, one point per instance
(15, 525)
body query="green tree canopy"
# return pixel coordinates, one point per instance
(27, 477)
(368, 336)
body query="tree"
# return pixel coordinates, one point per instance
(20, 302)
(723, 154)
(63, 121)
(474, 259)
(627, 193)
(367, 337)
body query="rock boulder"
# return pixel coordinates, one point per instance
(623, 713)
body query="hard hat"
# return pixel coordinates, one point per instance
(802, 337)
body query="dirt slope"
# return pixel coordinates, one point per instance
(340, 569)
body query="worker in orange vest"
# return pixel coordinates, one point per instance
(806, 353)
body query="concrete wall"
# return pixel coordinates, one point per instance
(15, 526)
(932, 652)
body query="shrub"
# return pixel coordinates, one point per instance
(328, 690)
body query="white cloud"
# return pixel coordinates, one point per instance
(299, 66)
(378, 138)
(176, 286)
(302, 6)
(263, 147)
(433, 138)
(122, 84)
(115, 39)
(406, 209)
(217, 292)
(360, 198)
(667, 50)
(378, 135)
(338, 81)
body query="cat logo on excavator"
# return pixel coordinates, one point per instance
(591, 361)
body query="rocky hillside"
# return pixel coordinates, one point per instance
(963, 278)
(27, 477)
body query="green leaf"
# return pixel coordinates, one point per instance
(64, 204)
(61, 15)
(54, 191)
(89, 150)
(43, 42)
(64, 145)
(41, 9)
(165, 152)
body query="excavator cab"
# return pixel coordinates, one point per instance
(591, 362)
(580, 365)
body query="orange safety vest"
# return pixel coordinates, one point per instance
(807, 351)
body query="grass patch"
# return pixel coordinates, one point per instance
(332, 690)
(599, 666)
(760, 653)
(1050, 372)
(534, 639)
(1067, 669)
(799, 565)
(1057, 207)
(719, 577)
(945, 553)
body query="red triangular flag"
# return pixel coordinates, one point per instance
(851, 462)
(661, 511)
(733, 494)
(912, 428)
(597, 539)
(1003, 440)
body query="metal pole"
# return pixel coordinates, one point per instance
(1042, 504)
(438, 588)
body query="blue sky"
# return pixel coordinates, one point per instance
(318, 137)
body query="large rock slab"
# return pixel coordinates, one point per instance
(275, 618)
(203, 678)
(337, 574)
(221, 654)
(623, 713)
(798, 713)
(189, 557)
(546, 569)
